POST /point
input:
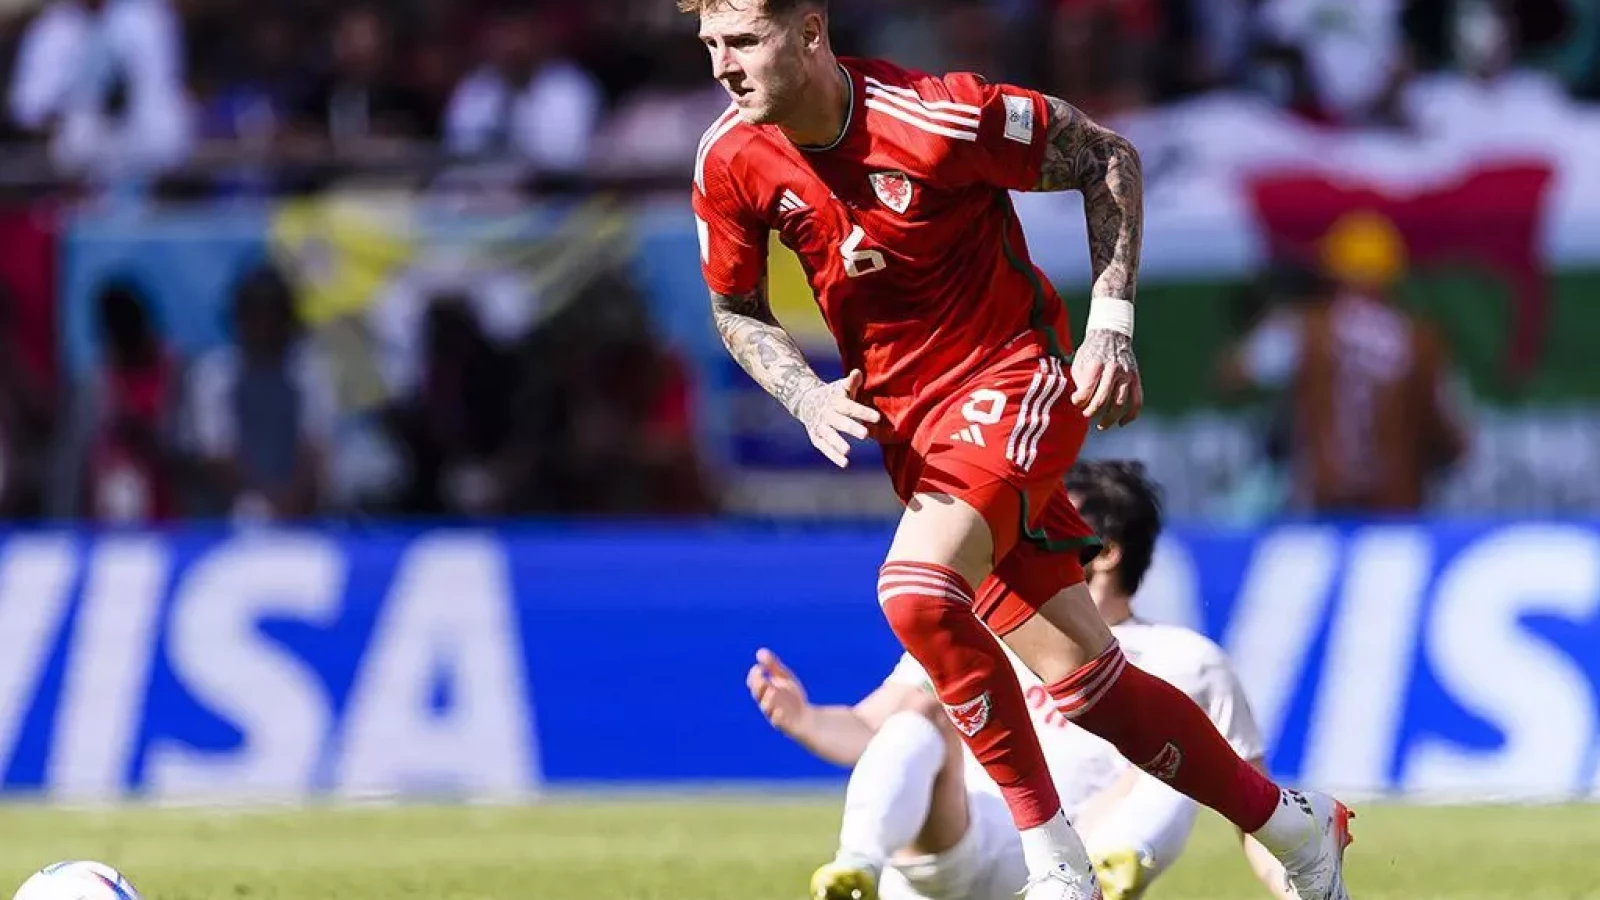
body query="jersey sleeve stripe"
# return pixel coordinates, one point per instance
(706, 135)
(922, 109)
(914, 119)
(713, 134)
(931, 104)
(702, 232)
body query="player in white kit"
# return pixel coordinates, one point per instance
(922, 820)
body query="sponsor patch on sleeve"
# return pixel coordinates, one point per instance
(1019, 119)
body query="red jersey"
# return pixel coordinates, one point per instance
(904, 226)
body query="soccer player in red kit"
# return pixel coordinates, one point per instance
(892, 187)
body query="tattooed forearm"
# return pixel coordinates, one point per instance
(760, 345)
(1104, 165)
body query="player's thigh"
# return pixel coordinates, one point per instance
(936, 527)
(1010, 424)
(986, 464)
(975, 459)
(945, 529)
(1037, 598)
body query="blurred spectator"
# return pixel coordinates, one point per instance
(250, 103)
(1222, 34)
(26, 420)
(970, 33)
(116, 463)
(102, 80)
(1375, 413)
(1280, 73)
(657, 127)
(261, 412)
(1573, 46)
(527, 100)
(434, 60)
(1119, 55)
(1354, 50)
(1484, 95)
(358, 103)
(1268, 311)
(619, 425)
(907, 31)
(457, 426)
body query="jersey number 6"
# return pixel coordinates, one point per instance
(858, 262)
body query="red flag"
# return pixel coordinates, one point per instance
(1488, 219)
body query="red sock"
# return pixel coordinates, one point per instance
(1161, 730)
(930, 609)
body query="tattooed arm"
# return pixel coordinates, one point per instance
(760, 345)
(765, 350)
(1104, 166)
(1085, 156)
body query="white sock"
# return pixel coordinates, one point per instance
(1054, 843)
(890, 791)
(1291, 828)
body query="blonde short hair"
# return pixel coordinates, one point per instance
(773, 8)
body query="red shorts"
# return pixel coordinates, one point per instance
(1003, 444)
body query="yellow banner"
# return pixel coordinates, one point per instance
(792, 300)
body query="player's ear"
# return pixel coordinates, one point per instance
(1107, 560)
(813, 29)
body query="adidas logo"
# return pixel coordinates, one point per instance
(790, 202)
(969, 435)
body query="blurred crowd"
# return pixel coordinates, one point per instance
(587, 414)
(621, 87)
(591, 412)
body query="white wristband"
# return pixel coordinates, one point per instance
(1110, 314)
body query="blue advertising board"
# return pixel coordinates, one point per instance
(1459, 659)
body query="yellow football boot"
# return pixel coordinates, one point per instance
(841, 882)
(1123, 874)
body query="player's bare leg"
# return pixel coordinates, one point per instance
(942, 548)
(1160, 729)
(907, 797)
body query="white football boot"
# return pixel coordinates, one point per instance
(1317, 871)
(1061, 883)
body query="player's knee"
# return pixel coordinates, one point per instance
(926, 626)
(921, 600)
(925, 705)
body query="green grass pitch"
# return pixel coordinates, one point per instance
(723, 848)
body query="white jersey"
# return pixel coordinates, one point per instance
(1084, 765)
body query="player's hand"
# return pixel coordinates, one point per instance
(1105, 378)
(830, 411)
(779, 693)
(1123, 874)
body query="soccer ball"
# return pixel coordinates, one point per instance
(77, 880)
